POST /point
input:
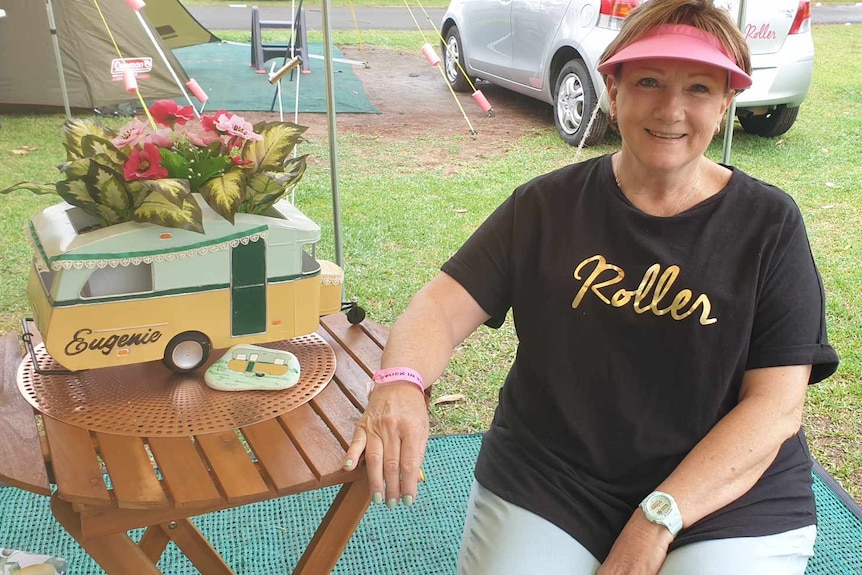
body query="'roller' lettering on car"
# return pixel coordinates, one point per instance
(656, 281)
(80, 342)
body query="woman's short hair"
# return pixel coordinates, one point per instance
(702, 14)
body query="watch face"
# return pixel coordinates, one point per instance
(659, 506)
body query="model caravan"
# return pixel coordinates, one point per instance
(133, 292)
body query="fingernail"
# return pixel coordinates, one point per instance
(392, 504)
(408, 500)
(377, 497)
(348, 463)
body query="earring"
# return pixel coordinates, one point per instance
(717, 129)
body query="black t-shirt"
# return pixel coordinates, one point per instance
(634, 334)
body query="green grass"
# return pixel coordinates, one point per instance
(401, 221)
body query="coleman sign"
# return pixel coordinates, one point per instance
(140, 66)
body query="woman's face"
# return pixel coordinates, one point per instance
(668, 110)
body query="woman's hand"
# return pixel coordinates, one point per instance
(640, 549)
(394, 428)
(392, 432)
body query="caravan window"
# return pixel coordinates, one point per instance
(309, 261)
(47, 278)
(121, 280)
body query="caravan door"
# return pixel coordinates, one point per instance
(248, 288)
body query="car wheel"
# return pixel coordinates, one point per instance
(575, 99)
(770, 125)
(453, 61)
(187, 351)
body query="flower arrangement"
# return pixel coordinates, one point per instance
(147, 172)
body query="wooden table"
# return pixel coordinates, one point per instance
(299, 451)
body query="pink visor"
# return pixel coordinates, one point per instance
(680, 42)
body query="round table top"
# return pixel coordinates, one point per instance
(149, 400)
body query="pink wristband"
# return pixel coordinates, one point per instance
(383, 377)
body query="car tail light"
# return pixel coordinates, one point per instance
(802, 21)
(613, 12)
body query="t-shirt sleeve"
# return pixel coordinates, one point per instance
(790, 322)
(483, 265)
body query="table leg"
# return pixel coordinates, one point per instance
(195, 546)
(154, 542)
(336, 529)
(117, 554)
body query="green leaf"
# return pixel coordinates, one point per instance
(176, 165)
(225, 193)
(33, 187)
(77, 193)
(294, 168)
(79, 188)
(109, 215)
(263, 190)
(279, 139)
(75, 130)
(95, 146)
(138, 191)
(207, 168)
(170, 204)
(111, 191)
(76, 168)
(174, 190)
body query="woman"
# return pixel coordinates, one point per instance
(669, 317)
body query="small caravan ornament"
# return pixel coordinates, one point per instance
(135, 292)
(250, 367)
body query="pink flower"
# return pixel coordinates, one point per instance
(144, 164)
(237, 127)
(209, 122)
(169, 113)
(163, 138)
(199, 136)
(131, 134)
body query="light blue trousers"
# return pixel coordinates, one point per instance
(504, 539)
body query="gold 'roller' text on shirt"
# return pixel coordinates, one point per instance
(653, 289)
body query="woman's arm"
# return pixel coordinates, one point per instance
(394, 428)
(722, 467)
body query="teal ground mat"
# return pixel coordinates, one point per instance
(268, 538)
(223, 70)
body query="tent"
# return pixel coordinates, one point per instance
(29, 71)
(92, 66)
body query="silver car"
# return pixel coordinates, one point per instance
(549, 50)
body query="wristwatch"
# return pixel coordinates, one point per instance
(659, 507)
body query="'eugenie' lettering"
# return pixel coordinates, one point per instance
(651, 295)
(81, 343)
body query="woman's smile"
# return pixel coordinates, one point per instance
(665, 136)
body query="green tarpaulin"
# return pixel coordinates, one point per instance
(222, 69)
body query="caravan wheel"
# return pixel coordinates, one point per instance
(355, 315)
(187, 352)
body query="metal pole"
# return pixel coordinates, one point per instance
(728, 132)
(333, 146)
(731, 111)
(166, 62)
(53, 28)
